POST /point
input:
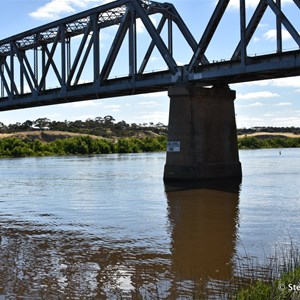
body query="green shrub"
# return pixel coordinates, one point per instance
(279, 289)
(272, 142)
(14, 147)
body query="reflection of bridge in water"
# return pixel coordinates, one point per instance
(202, 130)
(42, 261)
(204, 223)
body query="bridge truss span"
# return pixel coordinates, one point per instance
(30, 60)
(65, 61)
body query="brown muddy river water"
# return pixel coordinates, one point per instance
(106, 227)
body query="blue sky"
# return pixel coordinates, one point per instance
(263, 103)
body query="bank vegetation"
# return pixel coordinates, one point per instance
(268, 141)
(103, 135)
(80, 145)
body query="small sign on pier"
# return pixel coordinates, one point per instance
(173, 146)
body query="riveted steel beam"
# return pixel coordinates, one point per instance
(199, 54)
(68, 50)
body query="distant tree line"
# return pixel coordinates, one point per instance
(107, 126)
(87, 145)
(295, 130)
(83, 145)
(271, 142)
(100, 126)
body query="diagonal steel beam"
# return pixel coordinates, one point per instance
(174, 16)
(213, 23)
(78, 54)
(115, 47)
(4, 81)
(151, 46)
(159, 43)
(49, 61)
(183, 28)
(83, 62)
(252, 26)
(10, 71)
(287, 24)
(30, 78)
(297, 2)
(52, 63)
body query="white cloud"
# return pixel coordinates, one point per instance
(154, 117)
(256, 104)
(249, 4)
(155, 95)
(148, 104)
(271, 35)
(83, 117)
(55, 9)
(82, 104)
(286, 121)
(248, 122)
(52, 10)
(235, 4)
(287, 82)
(283, 104)
(257, 95)
(113, 106)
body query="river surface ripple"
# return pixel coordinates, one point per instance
(106, 227)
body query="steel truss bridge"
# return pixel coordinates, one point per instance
(30, 60)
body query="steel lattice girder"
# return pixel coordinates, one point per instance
(87, 24)
(108, 15)
(54, 40)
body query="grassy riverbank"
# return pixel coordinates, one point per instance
(268, 141)
(285, 288)
(277, 278)
(79, 145)
(45, 143)
(274, 278)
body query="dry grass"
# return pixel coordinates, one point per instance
(270, 135)
(44, 136)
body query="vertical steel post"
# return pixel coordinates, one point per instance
(68, 44)
(22, 76)
(12, 73)
(170, 36)
(278, 29)
(63, 54)
(2, 83)
(132, 45)
(243, 31)
(43, 67)
(96, 48)
(36, 66)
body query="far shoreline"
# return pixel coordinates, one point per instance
(263, 134)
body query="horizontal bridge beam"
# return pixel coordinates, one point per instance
(224, 72)
(272, 66)
(61, 53)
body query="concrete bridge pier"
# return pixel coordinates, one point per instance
(202, 139)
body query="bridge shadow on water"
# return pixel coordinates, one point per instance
(204, 218)
(41, 262)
